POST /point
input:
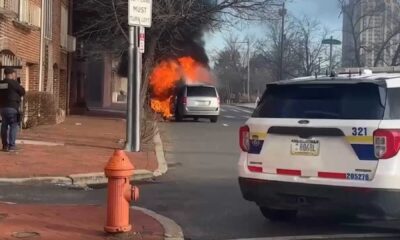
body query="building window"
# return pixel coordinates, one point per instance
(48, 19)
(29, 13)
(23, 15)
(64, 27)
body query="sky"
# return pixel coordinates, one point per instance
(326, 11)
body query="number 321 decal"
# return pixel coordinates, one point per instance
(359, 131)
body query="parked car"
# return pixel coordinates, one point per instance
(327, 143)
(197, 101)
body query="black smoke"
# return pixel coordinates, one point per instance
(181, 39)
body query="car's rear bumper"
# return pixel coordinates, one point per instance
(214, 112)
(286, 195)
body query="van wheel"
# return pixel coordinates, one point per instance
(278, 215)
(178, 118)
(214, 119)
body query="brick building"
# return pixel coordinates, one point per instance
(34, 36)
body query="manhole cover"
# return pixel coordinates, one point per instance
(25, 235)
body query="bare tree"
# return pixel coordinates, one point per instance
(177, 26)
(396, 57)
(303, 48)
(270, 49)
(309, 45)
(230, 68)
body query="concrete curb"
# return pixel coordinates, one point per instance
(172, 230)
(52, 180)
(39, 143)
(159, 148)
(84, 179)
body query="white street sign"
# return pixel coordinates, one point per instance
(139, 13)
(142, 39)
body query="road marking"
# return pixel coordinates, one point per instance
(240, 109)
(225, 125)
(223, 110)
(337, 236)
(246, 111)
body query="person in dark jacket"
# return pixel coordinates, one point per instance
(10, 99)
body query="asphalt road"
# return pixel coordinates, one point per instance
(200, 191)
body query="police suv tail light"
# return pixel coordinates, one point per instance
(386, 143)
(244, 138)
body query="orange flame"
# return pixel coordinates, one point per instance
(165, 77)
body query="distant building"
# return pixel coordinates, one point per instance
(371, 31)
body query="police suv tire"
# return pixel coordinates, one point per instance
(278, 215)
(214, 119)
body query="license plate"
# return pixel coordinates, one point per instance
(306, 147)
(203, 103)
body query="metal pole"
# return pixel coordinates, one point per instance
(319, 65)
(136, 91)
(248, 70)
(283, 13)
(330, 55)
(131, 78)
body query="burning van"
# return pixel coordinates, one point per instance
(197, 101)
(169, 77)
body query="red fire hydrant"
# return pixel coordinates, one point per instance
(120, 192)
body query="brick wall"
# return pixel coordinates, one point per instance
(59, 58)
(25, 44)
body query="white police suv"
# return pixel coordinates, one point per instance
(327, 142)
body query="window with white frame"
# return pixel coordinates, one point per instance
(29, 13)
(23, 15)
(34, 15)
(2, 4)
(64, 27)
(48, 19)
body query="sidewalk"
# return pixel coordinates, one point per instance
(80, 145)
(70, 222)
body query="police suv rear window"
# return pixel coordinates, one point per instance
(323, 101)
(201, 91)
(393, 103)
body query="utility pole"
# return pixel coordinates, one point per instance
(136, 89)
(330, 54)
(282, 13)
(139, 15)
(131, 90)
(319, 65)
(248, 70)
